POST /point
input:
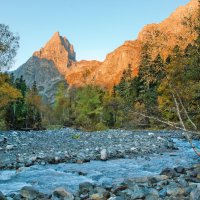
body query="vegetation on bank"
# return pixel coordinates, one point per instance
(164, 88)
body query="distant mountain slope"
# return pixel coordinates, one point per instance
(178, 29)
(48, 66)
(57, 60)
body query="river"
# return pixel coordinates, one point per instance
(46, 178)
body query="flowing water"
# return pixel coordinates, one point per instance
(47, 178)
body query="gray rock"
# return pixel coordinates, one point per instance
(9, 198)
(174, 189)
(101, 193)
(62, 194)
(151, 197)
(169, 172)
(9, 147)
(180, 170)
(134, 193)
(30, 193)
(85, 188)
(182, 181)
(195, 194)
(44, 72)
(2, 197)
(115, 198)
(162, 193)
(104, 154)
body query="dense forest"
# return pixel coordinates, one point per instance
(165, 93)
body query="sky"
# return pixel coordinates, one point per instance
(94, 27)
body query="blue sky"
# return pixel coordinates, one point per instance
(94, 27)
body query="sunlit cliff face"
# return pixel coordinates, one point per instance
(177, 29)
(60, 51)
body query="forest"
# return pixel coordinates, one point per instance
(165, 93)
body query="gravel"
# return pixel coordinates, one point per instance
(22, 148)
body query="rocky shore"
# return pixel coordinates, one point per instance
(23, 149)
(19, 149)
(172, 184)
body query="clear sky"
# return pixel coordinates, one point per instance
(94, 27)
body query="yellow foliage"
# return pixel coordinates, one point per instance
(8, 94)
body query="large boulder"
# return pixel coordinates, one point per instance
(86, 188)
(104, 154)
(2, 197)
(30, 193)
(195, 194)
(62, 194)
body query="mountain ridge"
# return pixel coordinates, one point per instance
(177, 29)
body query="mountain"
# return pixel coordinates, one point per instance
(60, 51)
(177, 29)
(48, 66)
(57, 60)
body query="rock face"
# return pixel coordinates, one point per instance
(178, 29)
(58, 50)
(48, 66)
(45, 74)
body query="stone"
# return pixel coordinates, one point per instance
(151, 197)
(61, 194)
(174, 189)
(2, 197)
(180, 170)
(169, 172)
(115, 198)
(159, 138)
(150, 134)
(133, 148)
(162, 193)
(9, 147)
(104, 154)
(85, 188)
(135, 192)
(182, 182)
(101, 193)
(30, 193)
(195, 194)
(98, 196)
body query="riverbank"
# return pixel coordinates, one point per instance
(23, 149)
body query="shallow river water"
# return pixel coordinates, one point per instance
(47, 178)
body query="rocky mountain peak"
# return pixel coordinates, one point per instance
(59, 50)
(161, 38)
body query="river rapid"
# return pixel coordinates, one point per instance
(45, 178)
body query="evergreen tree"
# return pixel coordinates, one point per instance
(88, 108)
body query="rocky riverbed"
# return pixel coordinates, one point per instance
(19, 149)
(177, 183)
(69, 164)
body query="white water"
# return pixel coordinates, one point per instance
(47, 178)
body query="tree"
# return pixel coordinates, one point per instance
(33, 103)
(182, 82)
(8, 95)
(151, 73)
(88, 108)
(9, 43)
(8, 47)
(7, 92)
(64, 105)
(113, 106)
(124, 88)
